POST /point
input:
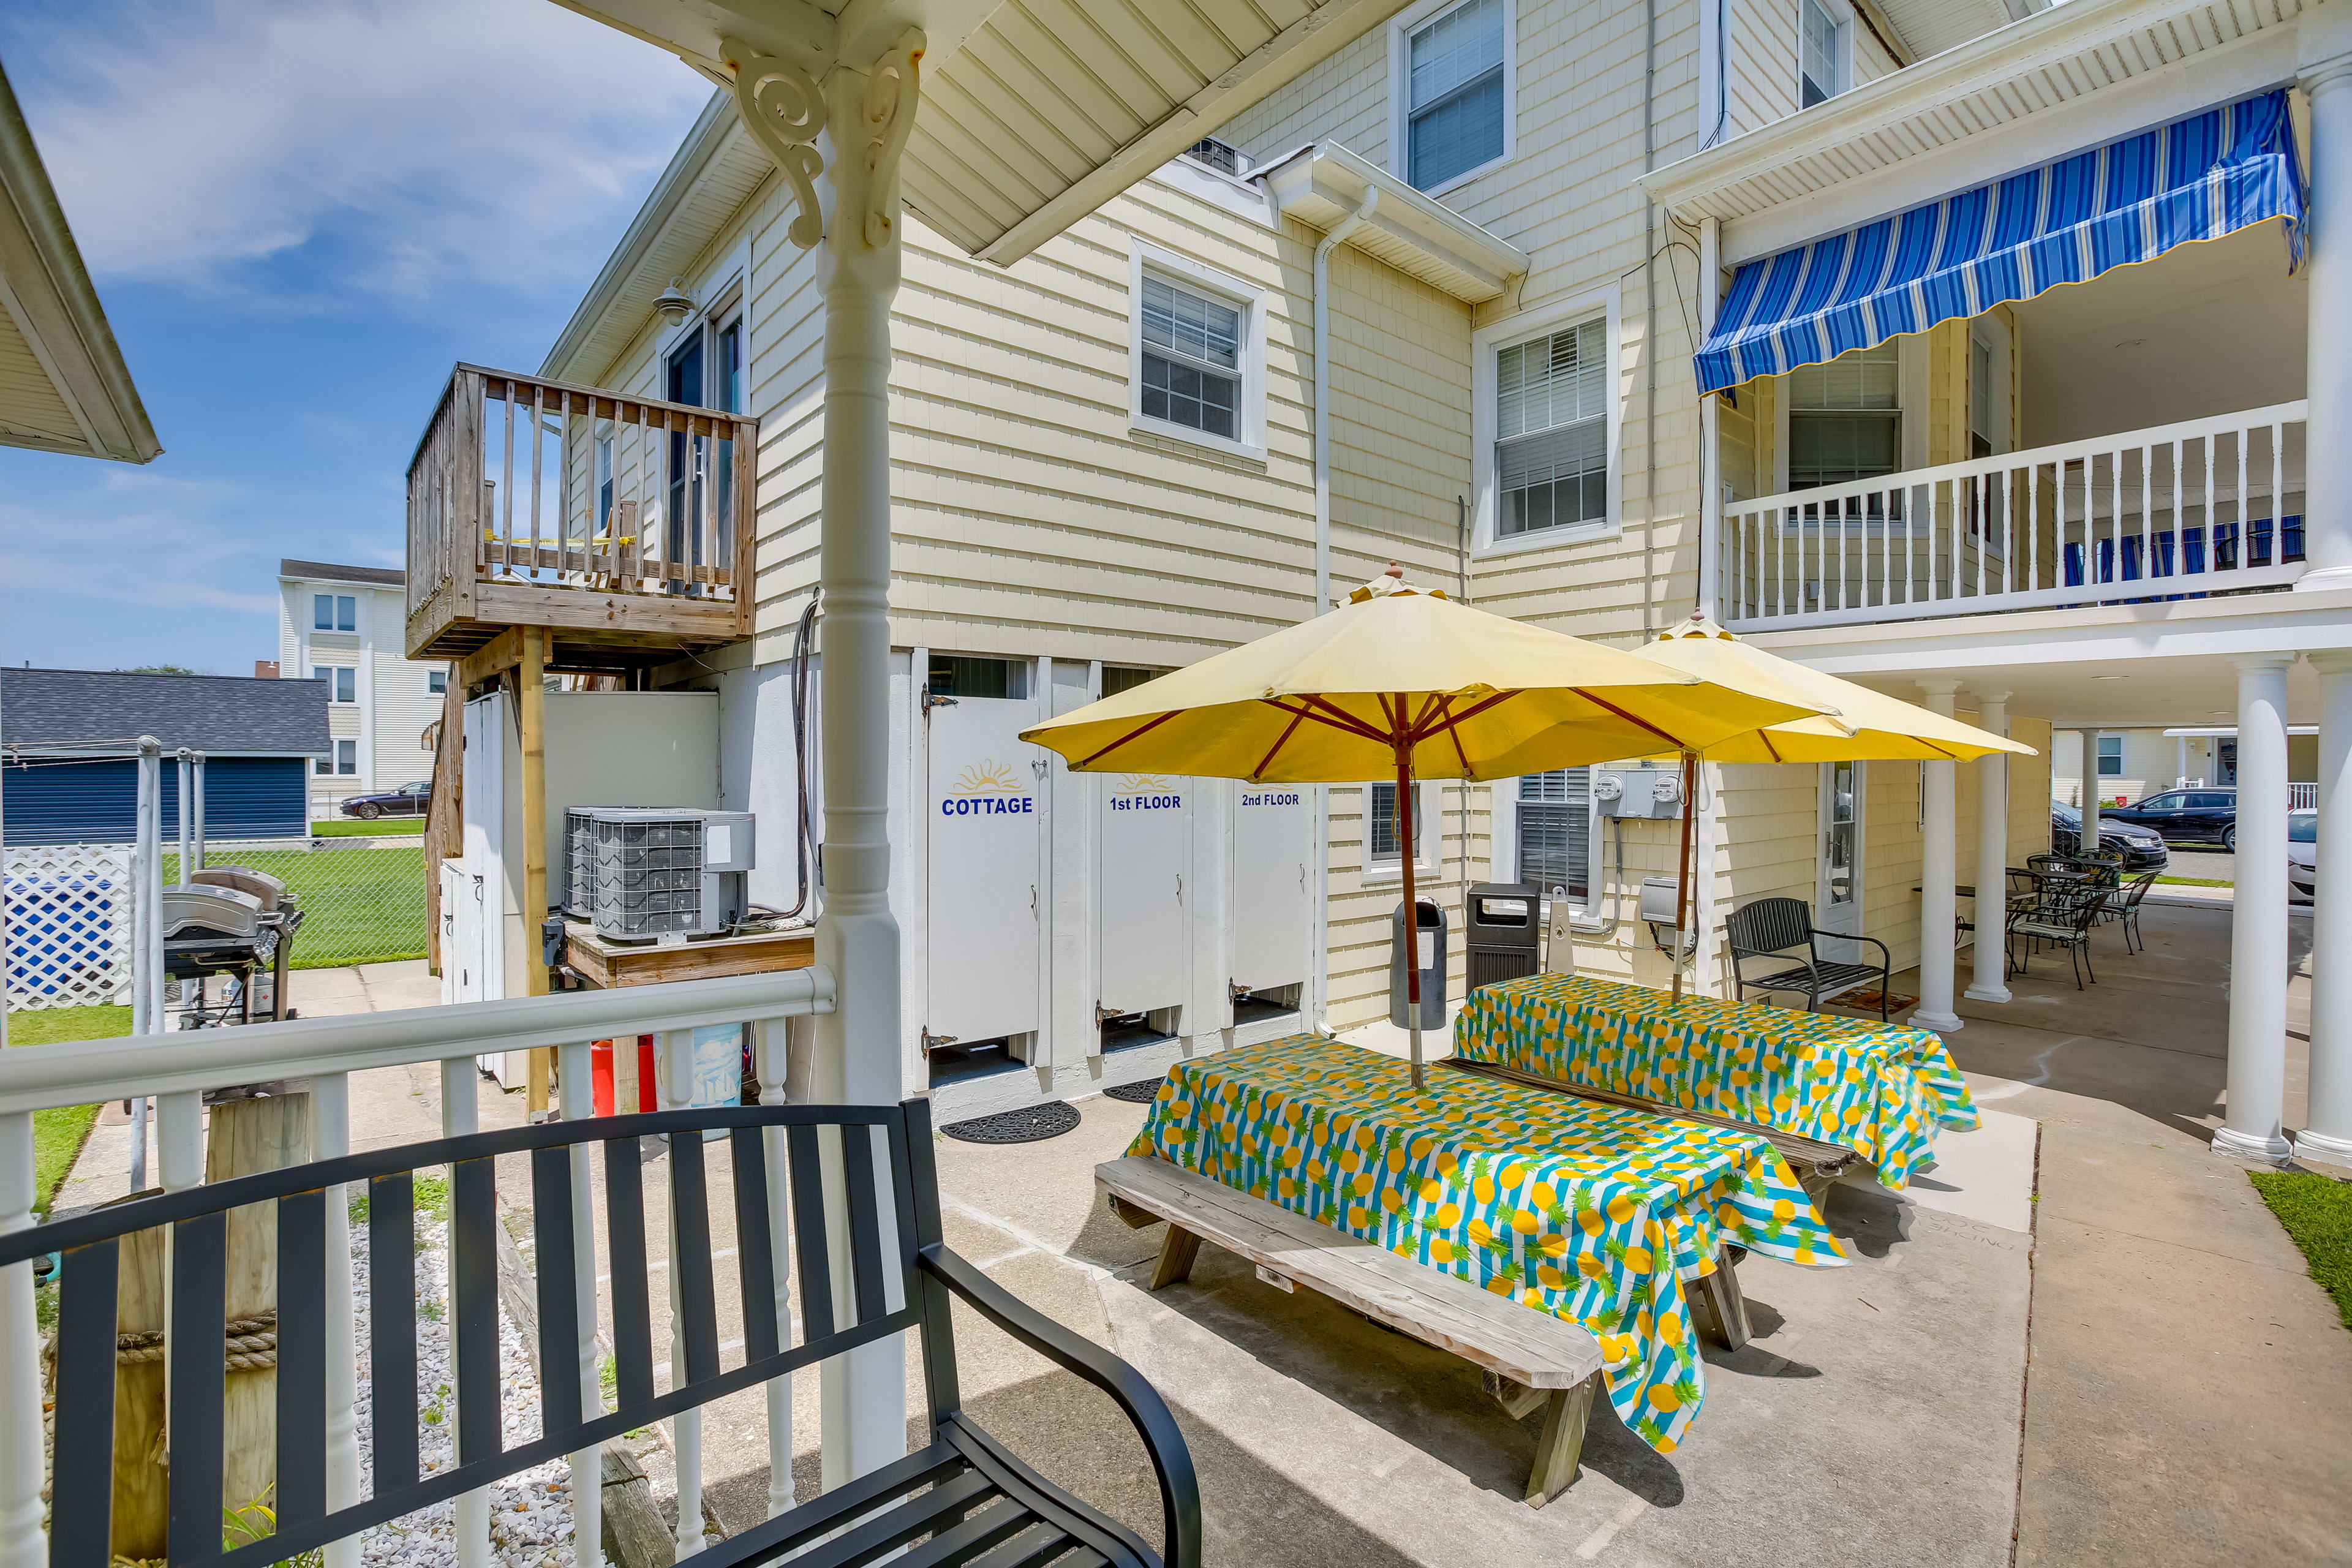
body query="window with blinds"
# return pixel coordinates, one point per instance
(1381, 836)
(1192, 358)
(1845, 419)
(1821, 52)
(1555, 832)
(1456, 91)
(1551, 425)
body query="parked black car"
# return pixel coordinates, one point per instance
(2185, 816)
(408, 800)
(2142, 848)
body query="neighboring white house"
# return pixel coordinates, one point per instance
(345, 626)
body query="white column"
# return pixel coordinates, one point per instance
(24, 1543)
(2327, 489)
(2328, 1125)
(838, 146)
(2257, 1076)
(1939, 870)
(1710, 430)
(1992, 856)
(2090, 837)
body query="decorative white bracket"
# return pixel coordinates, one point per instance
(785, 107)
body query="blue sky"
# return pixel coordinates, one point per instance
(299, 216)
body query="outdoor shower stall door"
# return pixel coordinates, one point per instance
(1273, 903)
(1142, 954)
(985, 909)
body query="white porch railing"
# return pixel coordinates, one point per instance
(2207, 506)
(178, 1066)
(2302, 797)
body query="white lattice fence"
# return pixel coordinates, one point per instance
(68, 923)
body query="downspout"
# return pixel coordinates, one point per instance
(1650, 319)
(1319, 961)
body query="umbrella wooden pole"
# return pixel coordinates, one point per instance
(1682, 867)
(1412, 904)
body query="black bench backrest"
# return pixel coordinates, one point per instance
(1770, 925)
(883, 1230)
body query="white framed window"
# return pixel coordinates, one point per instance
(2111, 756)
(1380, 828)
(346, 761)
(1450, 89)
(436, 681)
(1545, 428)
(1552, 826)
(342, 683)
(603, 518)
(334, 612)
(1845, 417)
(1824, 50)
(1196, 354)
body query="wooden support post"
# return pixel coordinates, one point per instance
(1562, 1442)
(532, 693)
(1176, 1254)
(1718, 1308)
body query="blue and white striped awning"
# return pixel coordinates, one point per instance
(2064, 222)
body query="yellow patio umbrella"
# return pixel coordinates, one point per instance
(1408, 683)
(1856, 725)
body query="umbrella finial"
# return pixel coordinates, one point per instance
(1394, 571)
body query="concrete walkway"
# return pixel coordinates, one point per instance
(2189, 1394)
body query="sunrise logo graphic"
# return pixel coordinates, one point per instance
(987, 789)
(1145, 784)
(1146, 791)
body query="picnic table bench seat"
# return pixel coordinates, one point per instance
(1530, 1360)
(1815, 1163)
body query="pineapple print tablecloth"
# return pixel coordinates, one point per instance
(1879, 1090)
(1594, 1213)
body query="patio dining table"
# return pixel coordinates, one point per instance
(1594, 1213)
(1877, 1089)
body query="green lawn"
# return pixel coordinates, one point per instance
(351, 827)
(2195, 882)
(59, 1134)
(2317, 1213)
(359, 906)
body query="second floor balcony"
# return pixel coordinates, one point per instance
(2199, 508)
(618, 523)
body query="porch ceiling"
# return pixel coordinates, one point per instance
(1031, 114)
(2008, 79)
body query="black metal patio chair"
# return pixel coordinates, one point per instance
(960, 1497)
(2122, 906)
(1777, 928)
(2064, 919)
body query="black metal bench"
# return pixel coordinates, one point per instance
(960, 1499)
(1777, 928)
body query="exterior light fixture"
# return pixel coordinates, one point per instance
(674, 304)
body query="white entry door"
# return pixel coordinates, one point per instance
(1142, 958)
(984, 902)
(1837, 900)
(1273, 857)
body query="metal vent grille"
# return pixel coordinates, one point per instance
(646, 878)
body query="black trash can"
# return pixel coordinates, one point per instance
(1503, 937)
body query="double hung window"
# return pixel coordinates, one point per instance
(1457, 93)
(1845, 419)
(1191, 369)
(334, 612)
(1555, 832)
(2111, 756)
(342, 683)
(346, 761)
(1380, 825)
(1551, 425)
(1824, 50)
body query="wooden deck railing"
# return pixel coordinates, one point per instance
(528, 483)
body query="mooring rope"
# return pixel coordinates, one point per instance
(251, 1343)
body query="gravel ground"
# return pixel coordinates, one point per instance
(530, 1514)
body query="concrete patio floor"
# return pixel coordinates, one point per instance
(2116, 1357)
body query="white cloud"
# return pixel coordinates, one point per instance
(135, 537)
(414, 146)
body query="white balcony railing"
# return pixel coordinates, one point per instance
(2205, 507)
(178, 1066)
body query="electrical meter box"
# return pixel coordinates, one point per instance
(1502, 933)
(1429, 948)
(1639, 792)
